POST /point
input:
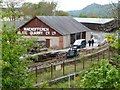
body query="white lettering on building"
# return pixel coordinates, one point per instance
(24, 32)
(47, 33)
(38, 31)
(53, 33)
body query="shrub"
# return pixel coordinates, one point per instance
(101, 75)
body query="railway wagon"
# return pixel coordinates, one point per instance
(48, 56)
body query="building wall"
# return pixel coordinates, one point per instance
(45, 30)
(61, 42)
(54, 41)
(66, 40)
(93, 26)
(107, 27)
(58, 42)
(88, 36)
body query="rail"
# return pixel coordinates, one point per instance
(55, 70)
(60, 60)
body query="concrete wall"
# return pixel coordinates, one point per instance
(66, 40)
(54, 41)
(59, 42)
(88, 36)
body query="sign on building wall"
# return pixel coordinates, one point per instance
(38, 31)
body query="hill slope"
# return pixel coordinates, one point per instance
(95, 9)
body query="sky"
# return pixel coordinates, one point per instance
(67, 5)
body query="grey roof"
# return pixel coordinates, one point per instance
(16, 23)
(94, 20)
(63, 24)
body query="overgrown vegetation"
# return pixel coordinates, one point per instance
(10, 9)
(101, 75)
(114, 42)
(15, 74)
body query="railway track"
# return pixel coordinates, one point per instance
(62, 58)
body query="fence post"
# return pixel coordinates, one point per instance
(103, 54)
(109, 53)
(112, 52)
(92, 50)
(91, 58)
(75, 65)
(36, 74)
(98, 56)
(83, 63)
(74, 79)
(68, 81)
(51, 71)
(86, 51)
(63, 68)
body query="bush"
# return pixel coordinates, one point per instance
(101, 75)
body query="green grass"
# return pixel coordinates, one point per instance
(68, 68)
(73, 83)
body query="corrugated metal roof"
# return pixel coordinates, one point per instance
(63, 24)
(94, 20)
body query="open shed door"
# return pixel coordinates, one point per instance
(48, 43)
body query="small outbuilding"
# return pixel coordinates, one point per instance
(56, 31)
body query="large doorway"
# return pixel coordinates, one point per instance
(83, 35)
(77, 36)
(48, 43)
(72, 38)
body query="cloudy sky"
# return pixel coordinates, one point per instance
(67, 5)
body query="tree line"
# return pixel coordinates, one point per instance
(15, 9)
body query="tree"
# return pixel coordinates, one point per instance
(119, 42)
(46, 8)
(83, 15)
(88, 16)
(116, 13)
(61, 13)
(15, 74)
(101, 75)
(0, 51)
(11, 10)
(118, 10)
(93, 16)
(28, 9)
(114, 42)
(41, 9)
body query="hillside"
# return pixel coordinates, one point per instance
(95, 9)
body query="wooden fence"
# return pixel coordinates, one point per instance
(55, 70)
